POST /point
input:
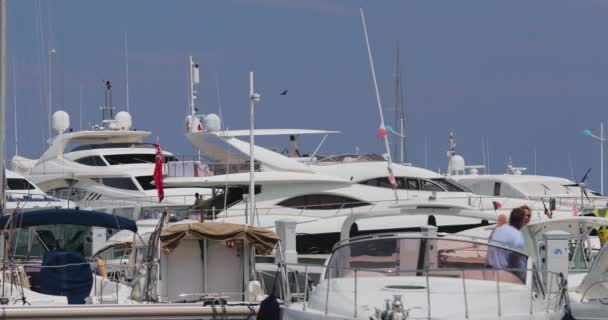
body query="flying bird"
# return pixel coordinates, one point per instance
(284, 93)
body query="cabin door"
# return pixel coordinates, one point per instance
(224, 269)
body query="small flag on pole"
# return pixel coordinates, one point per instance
(391, 179)
(496, 205)
(158, 173)
(381, 132)
(574, 209)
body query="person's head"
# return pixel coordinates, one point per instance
(517, 218)
(528, 213)
(501, 220)
(292, 138)
(196, 195)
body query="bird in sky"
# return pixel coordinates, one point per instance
(284, 93)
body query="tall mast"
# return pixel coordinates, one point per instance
(399, 107)
(2, 102)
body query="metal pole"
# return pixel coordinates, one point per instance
(2, 100)
(602, 141)
(251, 149)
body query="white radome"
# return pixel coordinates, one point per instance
(61, 121)
(213, 122)
(124, 120)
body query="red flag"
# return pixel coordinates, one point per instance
(381, 132)
(158, 173)
(497, 205)
(391, 179)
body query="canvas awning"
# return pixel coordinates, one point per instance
(262, 239)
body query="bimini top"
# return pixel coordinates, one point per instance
(262, 239)
(69, 216)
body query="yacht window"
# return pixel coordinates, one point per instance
(119, 183)
(19, 184)
(451, 258)
(430, 186)
(496, 189)
(91, 161)
(383, 182)
(412, 184)
(322, 202)
(450, 185)
(118, 159)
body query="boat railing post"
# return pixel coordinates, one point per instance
(464, 289)
(355, 293)
(498, 293)
(327, 291)
(531, 296)
(305, 300)
(428, 294)
(549, 292)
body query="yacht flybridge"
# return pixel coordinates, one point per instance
(111, 161)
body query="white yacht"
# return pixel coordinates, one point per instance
(106, 166)
(426, 275)
(559, 195)
(23, 194)
(316, 188)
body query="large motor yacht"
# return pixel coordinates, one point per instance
(319, 192)
(106, 164)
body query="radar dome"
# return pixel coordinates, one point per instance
(61, 121)
(457, 165)
(213, 122)
(124, 121)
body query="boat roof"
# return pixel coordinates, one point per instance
(575, 226)
(270, 132)
(263, 240)
(59, 142)
(68, 216)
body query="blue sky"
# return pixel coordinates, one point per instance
(525, 74)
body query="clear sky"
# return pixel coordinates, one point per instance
(525, 74)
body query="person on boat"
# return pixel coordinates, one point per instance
(528, 215)
(500, 221)
(510, 235)
(197, 206)
(292, 147)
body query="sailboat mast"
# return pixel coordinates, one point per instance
(2, 103)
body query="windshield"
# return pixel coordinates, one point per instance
(450, 185)
(408, 256)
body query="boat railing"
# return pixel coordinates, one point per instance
(549, 296)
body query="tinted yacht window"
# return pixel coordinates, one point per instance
(91, 161)
(19, 184)
(430, 186)
(117, 159)
(450, 185)
(383, 182)
(119, 183)
(322, 202)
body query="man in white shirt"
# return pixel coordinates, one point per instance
(508, 235)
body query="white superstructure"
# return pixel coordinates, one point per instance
(106, 163)
(23, 194)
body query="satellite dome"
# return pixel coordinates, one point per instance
(457, 165)
(123, 120)
(61, 121)
(213, 122)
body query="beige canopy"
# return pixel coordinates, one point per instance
(262, 239)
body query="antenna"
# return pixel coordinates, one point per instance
(80, 107)
(219, 100)
(107, 111)
(399, 107)
(534, 160)
(15, 105)
(488, 153)
(425, 151)
(127, 70)
(483, 155)
(194, 80)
